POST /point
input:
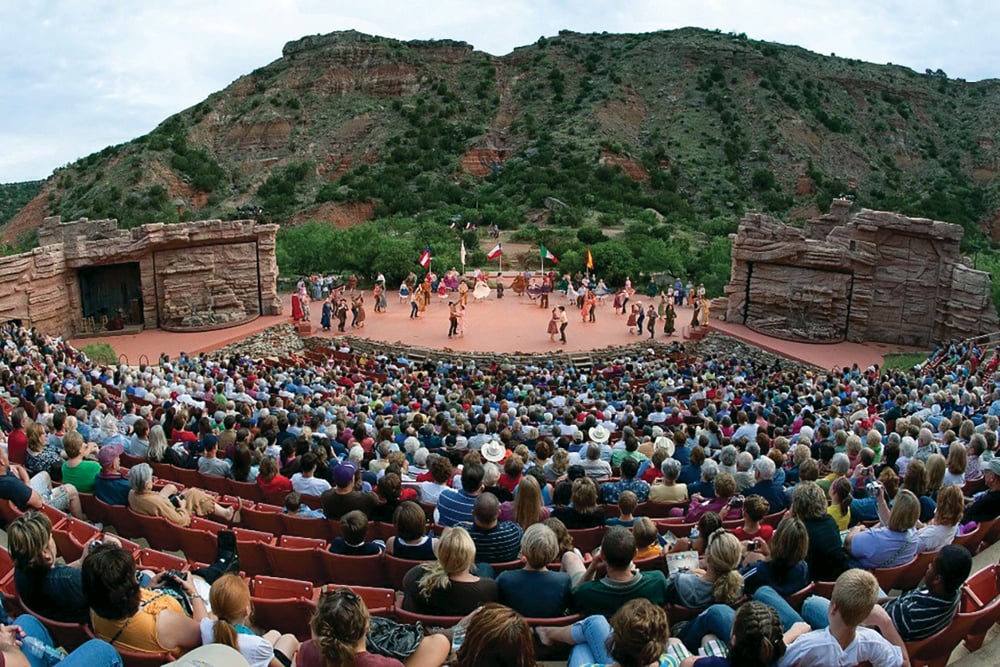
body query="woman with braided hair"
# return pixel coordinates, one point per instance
(339, 637)
(757, 639)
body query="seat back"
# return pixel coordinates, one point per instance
(266, 518)
(970, 540)
(253, 556)
(285, 605)
(151, 559)
(915, 570)
(587, 539)
(676, 529)
(798, 597)
(353, 570)
(135, 658)
(657, 510)
(396, 569)
(293, 563)
(71, 536)
(158, 531)
(888, 577)
(246, 490)
(991, 533)
(67, 635)
(198, 545)
(936, 649)
(318, 529)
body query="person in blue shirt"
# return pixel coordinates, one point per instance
(110, 486)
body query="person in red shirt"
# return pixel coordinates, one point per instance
(512, 473)
(270, 480)
(755, 508)
(17, 441)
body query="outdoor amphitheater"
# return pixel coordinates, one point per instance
(735, 408)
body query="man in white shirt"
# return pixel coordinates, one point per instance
(844, 643)
(304, 481)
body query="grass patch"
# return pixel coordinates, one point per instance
(100, 353)
(903, 360)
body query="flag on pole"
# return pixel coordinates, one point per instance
(425, 257)
(496, 252)
(590, 260)
(461, 253)
(547, 254)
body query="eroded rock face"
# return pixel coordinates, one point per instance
(193, 275)
(876, 276)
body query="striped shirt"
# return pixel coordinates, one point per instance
(918, 614)
(499, 544)
(454, 506)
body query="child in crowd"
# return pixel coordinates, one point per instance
(647, 542)
(354, 529)
(293, 505)
(627, 502)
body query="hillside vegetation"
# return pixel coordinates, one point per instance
(666, 137)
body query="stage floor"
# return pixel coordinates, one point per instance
(508, 325)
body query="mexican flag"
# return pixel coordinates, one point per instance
(547, 254)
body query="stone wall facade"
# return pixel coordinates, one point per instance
(876, 276)
(193, 275)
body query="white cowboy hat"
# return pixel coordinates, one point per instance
(494, 451)
(663, 442)
(599, 434)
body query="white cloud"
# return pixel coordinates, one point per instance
(78, 75)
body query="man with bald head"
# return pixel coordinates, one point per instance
(496, 541)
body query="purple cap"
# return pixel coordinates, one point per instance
(343, 474)
(106, 457)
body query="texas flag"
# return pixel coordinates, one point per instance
(496, 252)
(425, 257)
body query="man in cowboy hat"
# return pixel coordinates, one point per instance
(600, 436)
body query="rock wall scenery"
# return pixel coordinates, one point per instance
(192, 276)
(874, 276)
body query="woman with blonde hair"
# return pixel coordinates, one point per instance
(718, 582)
(557, 466)
(958, 460)
(892, 543)
(583, 512)
(941, 530)
(42, 454)
(935, 469)
(449, 585)
(527, 507)
(231, 605)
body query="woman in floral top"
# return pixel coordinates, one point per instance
(41, 454)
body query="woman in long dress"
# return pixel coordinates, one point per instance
(669, 315)
(482, 289)
(632, 318)
(360, 305)
(703, 315)
(697, 310)
(327, 314)
(554, 325)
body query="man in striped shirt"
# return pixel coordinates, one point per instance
(496, 541)
(927, 610)
(454, 506)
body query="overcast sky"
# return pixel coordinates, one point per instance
(79, 75)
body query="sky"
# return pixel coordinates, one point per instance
(79, 75)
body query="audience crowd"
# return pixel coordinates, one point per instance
(774, 476)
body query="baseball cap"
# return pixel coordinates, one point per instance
(108, 453)
(343, 474)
